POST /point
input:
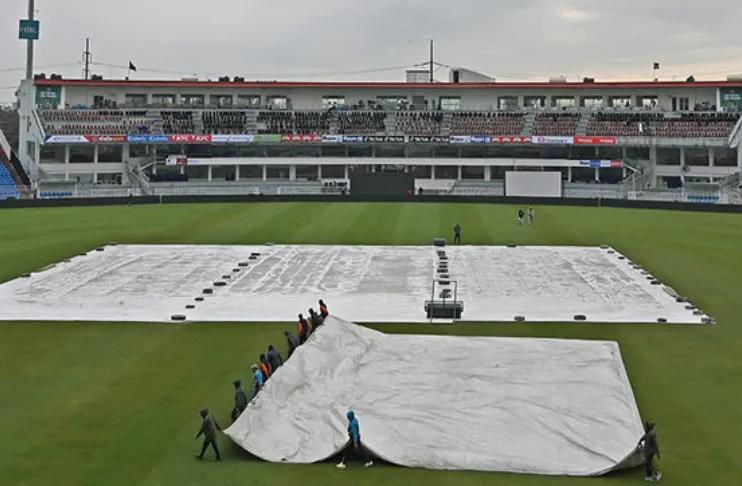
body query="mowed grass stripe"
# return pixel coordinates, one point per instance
(117, 404)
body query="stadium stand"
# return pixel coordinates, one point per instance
(556, 124)
(487, 123)
(663, 125)
(294, 122)
(430, 123)
(8, 187)
(279, 122)
(419, 123)
(361, 122)
(177, 122)
(98, 122)
(224, 122)
(312, 122)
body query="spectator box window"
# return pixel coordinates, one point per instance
(250, 101)
(507, 103)
(534, 101)
(222, 101)
(278, 102)
(193, 100)
(563, 101)
(163, 99)
(619, 101)
(451, 103)
(680, 104)
(648, 101)
(592, 101)
(135, 99)
(392, 101)
(331, 101)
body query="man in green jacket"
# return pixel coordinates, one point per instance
(240, 400)
(209, 428)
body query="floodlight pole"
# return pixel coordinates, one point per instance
(86, 59)
(29, 44)
(432, 63)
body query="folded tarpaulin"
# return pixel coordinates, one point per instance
(542, 406)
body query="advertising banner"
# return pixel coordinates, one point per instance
(602, 164)
(480, 139)
(177, 160)
(301, 138)
(730, 99)
(332, 139)
(354, 138)
(66, 139)
(190, 139)
(385, 139)
(552, 140)
(595, 140)
(147, 138)
(510, 139)
(49, 97)
(28, 29)
(106, 139)
(266, 138)
(241, 138)
(460, 139)
(429, 139)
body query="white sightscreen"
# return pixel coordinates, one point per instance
(533, 184)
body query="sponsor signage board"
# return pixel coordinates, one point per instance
(237, 138)
(106, 139)
(332, 139)
(510, 139)
(460, 139)
(301, 138)
(147, 138)
(266, 138)
(28, 29)
(66, 139)
(595, 141)
(189, 139)
(552, 140)
(602, 164)
(429, 139)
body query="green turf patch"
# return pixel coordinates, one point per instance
(116, 404)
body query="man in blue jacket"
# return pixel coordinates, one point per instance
(355, 446)
(257, 382)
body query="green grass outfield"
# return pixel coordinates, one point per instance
(117, 404)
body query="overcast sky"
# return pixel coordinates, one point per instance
(335, 39)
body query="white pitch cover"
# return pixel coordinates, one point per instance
(541, 406)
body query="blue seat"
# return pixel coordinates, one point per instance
(8, 189)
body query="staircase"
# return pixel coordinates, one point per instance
(137, 176)
(156, 118)
(446, 123)
(198, 122)
(528, 124)
(390, 123)
(582, 125)
(736, 136)
(334, 123)
(251, 124)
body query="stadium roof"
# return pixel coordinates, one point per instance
(386, 85)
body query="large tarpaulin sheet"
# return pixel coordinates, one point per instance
(151, 283)
(544, 406)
